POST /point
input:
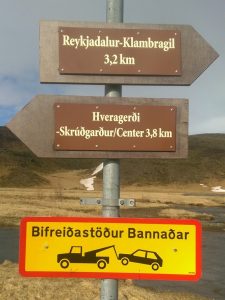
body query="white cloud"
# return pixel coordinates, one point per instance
(211, 125)
(19, 25)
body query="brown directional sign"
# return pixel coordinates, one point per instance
(113, 127)
(119, 51)
(64, 59)
(46, 129)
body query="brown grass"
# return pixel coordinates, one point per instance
(18, 203)
(13, 286)
(62, 198)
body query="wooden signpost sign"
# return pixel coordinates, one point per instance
(101, 127)
(101, 53)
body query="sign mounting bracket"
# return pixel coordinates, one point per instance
(100, 201)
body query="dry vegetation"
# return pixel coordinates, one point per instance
(13, 286)
(54, 200)
(30, 186)
(61, 197)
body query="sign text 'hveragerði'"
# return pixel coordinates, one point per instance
(115, 127)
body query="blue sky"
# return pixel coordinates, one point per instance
(19, 53)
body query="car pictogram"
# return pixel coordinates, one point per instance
(142, 257)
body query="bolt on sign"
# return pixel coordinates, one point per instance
(115, 127)
(119, 51)
(110, 248)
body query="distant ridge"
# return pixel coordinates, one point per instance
(19, 167)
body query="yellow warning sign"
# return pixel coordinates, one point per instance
(111, 248)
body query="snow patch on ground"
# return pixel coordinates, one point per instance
(218, 189)
(89, 182)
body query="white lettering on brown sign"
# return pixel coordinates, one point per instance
(119, 51)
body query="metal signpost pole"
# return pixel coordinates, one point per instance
(111, 169)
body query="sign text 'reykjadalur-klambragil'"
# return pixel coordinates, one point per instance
(119, 51)
(126, 42)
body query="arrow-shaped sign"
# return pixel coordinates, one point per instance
(103, 127)
(100, 53)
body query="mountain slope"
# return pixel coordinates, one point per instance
(206, 161)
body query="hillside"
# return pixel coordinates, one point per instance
(19, 167)
(205, 162)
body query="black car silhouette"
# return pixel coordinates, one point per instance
(142, 257)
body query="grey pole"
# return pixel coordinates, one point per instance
(114, 11)
(111, 168)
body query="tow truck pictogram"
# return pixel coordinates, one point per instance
(76, 255)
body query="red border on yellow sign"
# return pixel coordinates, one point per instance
(111, 275)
